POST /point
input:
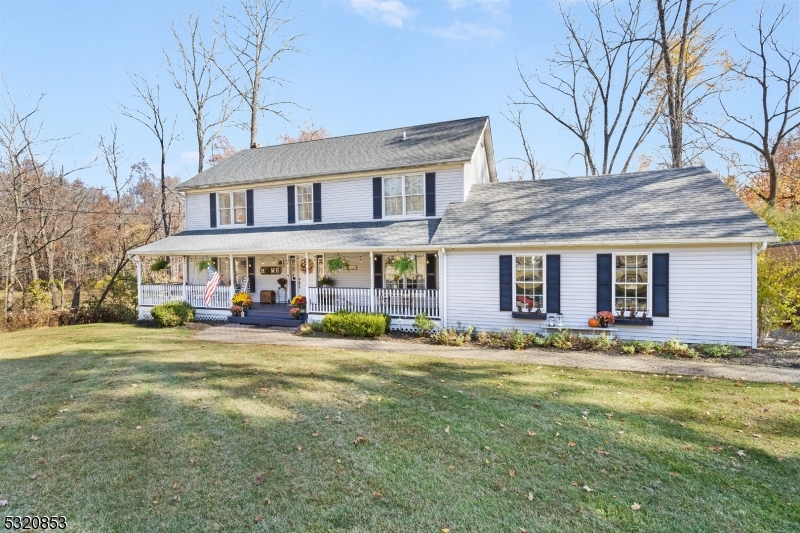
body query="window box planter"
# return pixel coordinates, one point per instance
(529, 316)
(633, 322)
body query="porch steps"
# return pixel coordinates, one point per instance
(265, 320)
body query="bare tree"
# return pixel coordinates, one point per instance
(161, 126)
(773, 69)
(221, 149)
(529, 162)
(684, 83)
(193, 73)
(257, 42)
(309, 132)
(603, 74)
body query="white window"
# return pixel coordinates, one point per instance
(529, 273)
(632, 283)
(404, 195)
(413, 280)
(305, 203)
(232, 207)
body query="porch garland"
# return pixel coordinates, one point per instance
(304, 265)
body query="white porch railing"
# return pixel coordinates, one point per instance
(154, 294)
(394, 302)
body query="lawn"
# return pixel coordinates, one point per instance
(123, 428)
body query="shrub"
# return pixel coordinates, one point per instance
(517, 339)
(352, 324)
(719, 350)
(628, 349)
(242, 299)
(424, 325)
(559, 340)
(449, 337)
(674, 347)
(600, 342)
(172, 314)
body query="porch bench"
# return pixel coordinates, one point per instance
(610, 331)
(267, 297)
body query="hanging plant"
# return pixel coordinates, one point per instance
(160, 264)
(335, 264)
(403, 266)
(203, 265)
(327, 281)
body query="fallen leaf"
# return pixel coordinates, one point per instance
(259, 480)
(257, 518)
(175, 485)
(299, 447)
(741, 453)
(34, 437)
(558, 434)
(3, 503)
(267, 501)
(621, 432)
(687, 446)
(451, 467)
(487, 448)
(587, 489)
(571, 444)
(203, 407)
(573, 483)
(501, 425)
(673, 474)
(523, 530)
(497, 486)
(756, 435)
(63, 410)
(447, 430)
(41, 461)
(191, 461)
(636, 506)
(37, 475)
(445, 530)
(715, 448)
(530, 496)
(315, 434)
(138, 427)
(531, 433)
(585, 413)
(512, 473)
(609, 415)
(537, 405)
(359, 440)
(176, 498)
(377, 494)
(602, 452)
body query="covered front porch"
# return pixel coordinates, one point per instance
(367, 282)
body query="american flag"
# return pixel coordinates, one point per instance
(211, 285)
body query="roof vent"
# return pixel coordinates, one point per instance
(404, 136)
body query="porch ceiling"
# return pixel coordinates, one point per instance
(366, 236)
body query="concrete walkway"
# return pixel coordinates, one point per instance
(242, 334)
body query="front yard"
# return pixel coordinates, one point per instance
(123, 428)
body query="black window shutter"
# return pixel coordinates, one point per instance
(506, 279)
(250, 214)
(430, 271)
(377, 198)
(317, 193)
(377, 260)
(605, 283)
(553, 283)
(290, 198)
(660, 284)
(212, 201)
(430, 194)
(251, 273)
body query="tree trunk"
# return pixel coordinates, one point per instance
(201, 148)
(164, 215)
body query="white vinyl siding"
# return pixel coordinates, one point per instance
(710, 292)
(477, 170)
(198, 211)
(343, 200)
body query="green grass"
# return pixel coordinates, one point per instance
(221, 426)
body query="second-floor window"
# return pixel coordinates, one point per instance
(232, 207)
(305, 203)
(404, 195)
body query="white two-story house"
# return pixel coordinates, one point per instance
(672, 253)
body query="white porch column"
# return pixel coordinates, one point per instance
(185, 274)
(371, 282)
(230, 264)
(138, 262)
(308, 267)
(443, 286)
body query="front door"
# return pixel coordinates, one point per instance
(292, 276)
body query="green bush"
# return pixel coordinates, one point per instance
(559, 339)
(719, 350)
(172, 314)
(674, 347)
(350, 324)
(628, 349)
(643, 347)
(424, 325)
(452, 336)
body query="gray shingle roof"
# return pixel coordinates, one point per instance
(428, 144)
(665, 205)
(298, 238)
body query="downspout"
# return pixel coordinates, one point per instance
(443, 286)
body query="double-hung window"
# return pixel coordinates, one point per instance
(632, 283)
(529, 275)
(232, 207)
(404, 195)
(305, 203)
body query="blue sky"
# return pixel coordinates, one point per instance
(367, 65)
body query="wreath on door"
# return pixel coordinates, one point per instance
(309, 265)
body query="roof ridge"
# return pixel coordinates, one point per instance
(486, 117)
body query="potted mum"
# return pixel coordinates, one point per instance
(604, 318)
(243, 300)
(298, 307)
(236, 310)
